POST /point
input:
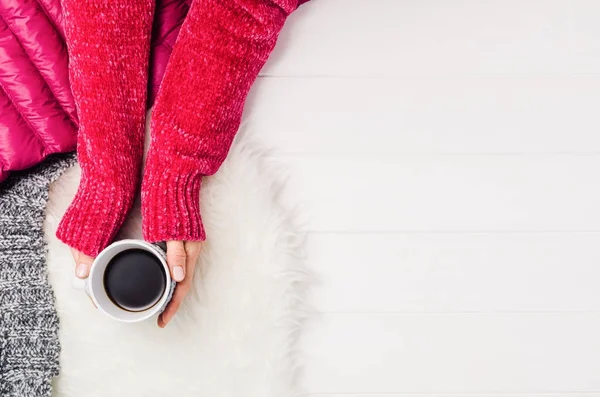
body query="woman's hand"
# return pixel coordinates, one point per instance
(83, 263)
(181, 258)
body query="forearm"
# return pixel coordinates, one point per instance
(108, 44)
(220, 50)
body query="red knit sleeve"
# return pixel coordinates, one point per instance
(221, 47)
(108, 43)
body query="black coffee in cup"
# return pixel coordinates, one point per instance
(135, 280)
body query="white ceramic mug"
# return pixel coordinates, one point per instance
(94, 284)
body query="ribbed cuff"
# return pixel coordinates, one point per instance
(95, 216)
(171, 204)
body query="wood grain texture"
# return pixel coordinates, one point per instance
(454, 353)
(454, 273)
(401, 37)
(448, 193)
(447, 155)
(551, 394)
(432, 115)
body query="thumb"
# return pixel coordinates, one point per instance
(176, 259)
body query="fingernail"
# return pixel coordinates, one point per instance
(178, 273)
(82, 270)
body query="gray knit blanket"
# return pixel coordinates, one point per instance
(29, 345)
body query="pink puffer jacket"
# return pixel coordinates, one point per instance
(37, 112)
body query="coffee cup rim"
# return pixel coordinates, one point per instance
(95, 288)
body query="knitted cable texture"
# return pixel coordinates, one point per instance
(29, 345)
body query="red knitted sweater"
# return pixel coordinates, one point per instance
(222, 46)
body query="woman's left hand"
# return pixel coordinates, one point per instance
(181, 258)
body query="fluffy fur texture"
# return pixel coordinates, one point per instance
(236, 332)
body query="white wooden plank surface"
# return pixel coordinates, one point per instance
(400, 37)
(448, 193)
(474, 114)
(443, 273)
(461, 395)
(454, 353)
(448, 154)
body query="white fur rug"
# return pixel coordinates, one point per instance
(236, 333)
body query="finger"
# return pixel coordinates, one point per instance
(181, 291)
(192, 249)
(176, 259)
(83, 263)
